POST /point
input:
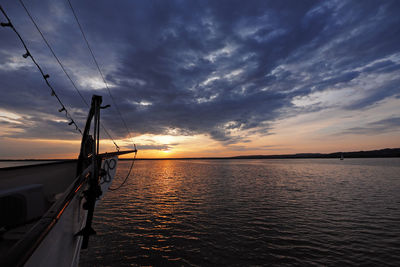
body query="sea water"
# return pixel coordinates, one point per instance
(250, 212)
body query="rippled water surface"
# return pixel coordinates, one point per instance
(251, 212)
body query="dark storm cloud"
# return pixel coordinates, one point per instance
(389, 89)
(201, 67)
(376, 127)
(43, 127)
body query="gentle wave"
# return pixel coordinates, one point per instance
(251, 212)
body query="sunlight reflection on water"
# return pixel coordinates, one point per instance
(251, 212)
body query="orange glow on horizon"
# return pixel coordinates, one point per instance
(303, 133)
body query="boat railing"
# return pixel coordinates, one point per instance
(24, 248)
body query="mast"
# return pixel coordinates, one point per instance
(89, 156)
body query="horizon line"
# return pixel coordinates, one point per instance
(311, 154)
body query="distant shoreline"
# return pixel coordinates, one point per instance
(381, 153)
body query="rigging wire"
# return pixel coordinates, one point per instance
(98, 68)
(63, 68)
(109, 92)
(53, 92)
(45, 76)
(52, 51)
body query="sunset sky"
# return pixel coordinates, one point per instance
(205, 78)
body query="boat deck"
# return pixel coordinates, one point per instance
(55, 176)
(42, 184)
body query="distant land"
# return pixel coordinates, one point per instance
(381, 153)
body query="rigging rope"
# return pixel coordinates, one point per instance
(63, 68)
(127, 176)
(45, 76)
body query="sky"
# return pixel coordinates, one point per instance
(204, 78)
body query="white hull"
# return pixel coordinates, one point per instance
(53, 240)
(61, 247)
(61, 200)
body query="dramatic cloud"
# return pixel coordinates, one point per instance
(216, 68)
(377, 127)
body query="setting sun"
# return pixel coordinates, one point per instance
(249, 133)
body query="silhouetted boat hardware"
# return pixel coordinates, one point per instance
(47, 209)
